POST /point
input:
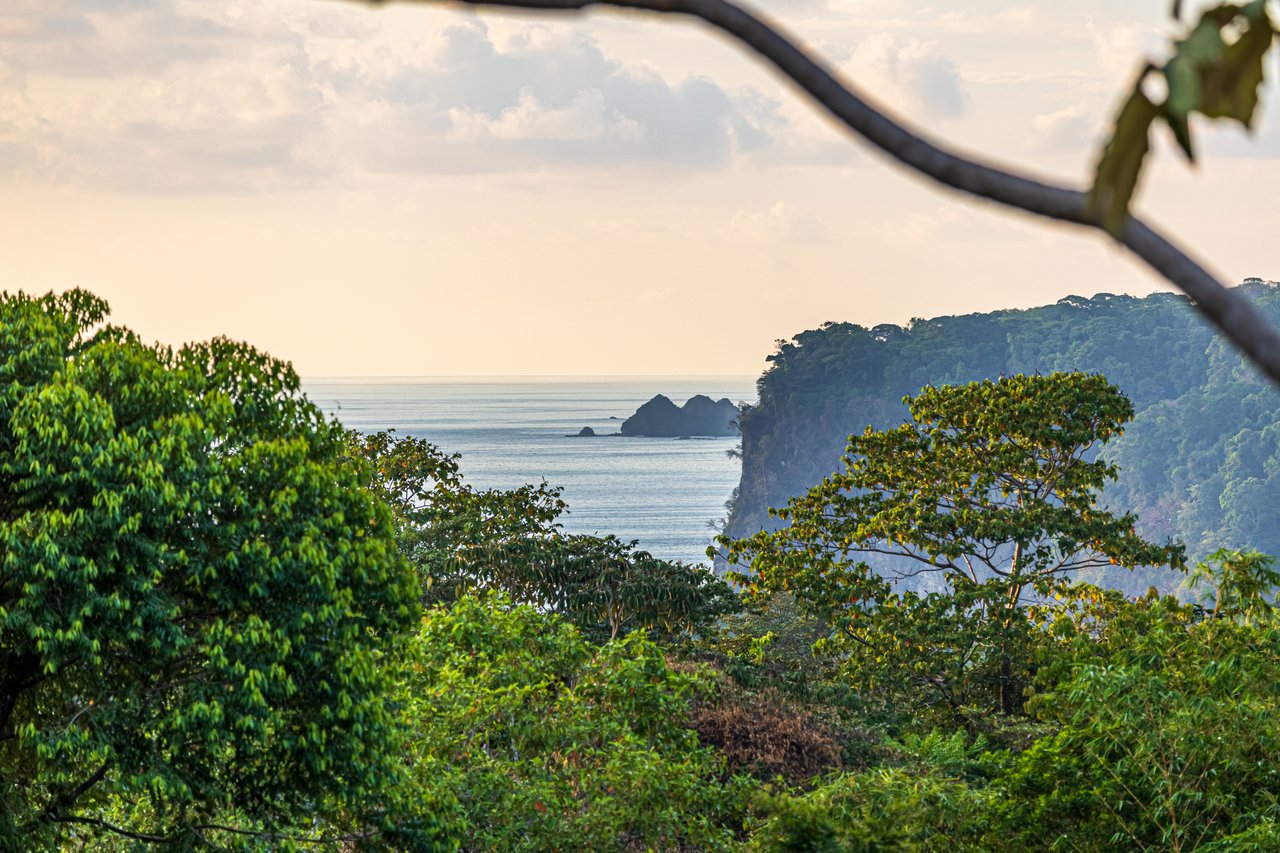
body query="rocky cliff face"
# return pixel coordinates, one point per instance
(700, 415)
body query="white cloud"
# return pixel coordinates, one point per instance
(584, 119)
(245, 97)
(914, 78)
(544, 98)
(946, 224)
(1068, 130)
(1121, 48)
(161, 97)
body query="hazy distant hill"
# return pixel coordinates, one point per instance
(1200, 463)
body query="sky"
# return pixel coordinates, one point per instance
(422, 190)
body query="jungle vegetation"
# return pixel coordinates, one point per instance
(227, 623)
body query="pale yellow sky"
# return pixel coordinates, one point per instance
(425, 191)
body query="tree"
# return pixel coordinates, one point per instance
(1242, 586)
(990, 486)
(439, 518)
(1215, 71)
(1164, 733)
(881, 811)
(461, 540)
(606, 586)
(199, 597)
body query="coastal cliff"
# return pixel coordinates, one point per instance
(1203, 416)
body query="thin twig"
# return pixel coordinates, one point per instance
(154, 838)
(110, 827)
(1234, 316)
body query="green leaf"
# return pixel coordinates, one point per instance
(1230, 89)
(1210, 76)
(1210, 73)
(1116, 177)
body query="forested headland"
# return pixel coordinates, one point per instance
(1200, 463)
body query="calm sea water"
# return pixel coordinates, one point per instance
(661, 492)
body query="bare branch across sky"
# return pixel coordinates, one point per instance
(1232, 314)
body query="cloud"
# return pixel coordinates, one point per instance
(97, 38)
(582, 119)
(914, 78)
(181, 96)
(547, 99)
(1069, 130)
(1121, 48)
(158, 97)
(947, 223)
(793, 9)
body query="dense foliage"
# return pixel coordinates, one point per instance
(196, 596)
(226, 623)
(551, 743)
(1198, 464)
(988, 490)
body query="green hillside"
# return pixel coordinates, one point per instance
(1200, 463)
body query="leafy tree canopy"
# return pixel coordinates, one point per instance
(197, 594)
(550, 743)
(989, 486)
(1164, 730)
(989, 480)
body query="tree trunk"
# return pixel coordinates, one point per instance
(1007, 700)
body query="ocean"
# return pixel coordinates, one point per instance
(663, 493)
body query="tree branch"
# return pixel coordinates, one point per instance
(111, 827)
(154, 838)
(1234, 316)
(274, 836)
(53, 811)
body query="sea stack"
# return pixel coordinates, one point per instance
(700, 415)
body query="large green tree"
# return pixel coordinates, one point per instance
(991, 487)
(197, 594)
(440, 518)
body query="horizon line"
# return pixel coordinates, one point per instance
(484, 376)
